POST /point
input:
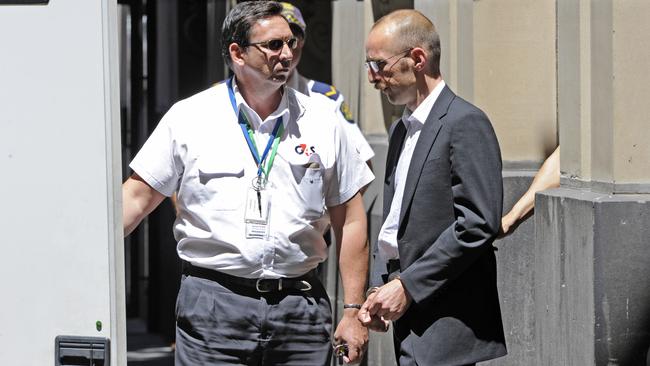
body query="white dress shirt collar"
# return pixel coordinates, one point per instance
(421, 112)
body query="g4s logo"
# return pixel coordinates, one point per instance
(304, 149)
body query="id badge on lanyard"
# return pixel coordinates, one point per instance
(258, 198)
(258, 209)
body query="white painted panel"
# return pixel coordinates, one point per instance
(60, 267)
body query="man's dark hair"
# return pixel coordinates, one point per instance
(239, 22)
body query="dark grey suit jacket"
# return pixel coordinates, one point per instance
(450, 215)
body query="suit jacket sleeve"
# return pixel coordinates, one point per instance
(477, 191)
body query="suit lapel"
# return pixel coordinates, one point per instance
(392, 157)
(425, 143)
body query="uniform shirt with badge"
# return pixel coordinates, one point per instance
(199, 151)
(341, 109)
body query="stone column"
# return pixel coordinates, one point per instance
(351, 22)
(592, 248)
(603, 90)
(500, 55)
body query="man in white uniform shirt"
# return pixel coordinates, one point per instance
(254, 165)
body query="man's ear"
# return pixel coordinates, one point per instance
(236, 54)
(420, 58)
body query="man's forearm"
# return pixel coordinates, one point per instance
(547, 177)
(349, 223)
(353, 265)
(132, 214)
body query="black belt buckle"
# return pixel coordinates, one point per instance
(264, 285)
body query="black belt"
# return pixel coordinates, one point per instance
(262, 285)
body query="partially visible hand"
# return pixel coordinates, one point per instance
(354, 334)
(506, 223)
(389, 302)
(373, 322)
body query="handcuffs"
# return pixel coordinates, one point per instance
(340, 350)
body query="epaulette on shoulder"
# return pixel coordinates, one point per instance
(325, 89)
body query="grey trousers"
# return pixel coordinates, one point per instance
(225, 324)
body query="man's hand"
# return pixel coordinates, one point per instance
(373, 322)
(507, 222)
(388, 303)
(355, 335)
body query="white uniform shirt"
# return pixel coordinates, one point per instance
(305, 86)
(199, 151)
(413, 122)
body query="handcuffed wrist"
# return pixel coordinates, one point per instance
(371, 290)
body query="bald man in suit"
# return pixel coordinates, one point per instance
(434, 272)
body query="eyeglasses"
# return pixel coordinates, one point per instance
(377, 65)
(275, 45)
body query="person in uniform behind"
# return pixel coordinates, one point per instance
(313, 87)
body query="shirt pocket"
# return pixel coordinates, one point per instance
(220, 185)
(309, 186)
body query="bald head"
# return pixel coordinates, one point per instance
(408, 28)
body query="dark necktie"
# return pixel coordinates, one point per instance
(394, 149)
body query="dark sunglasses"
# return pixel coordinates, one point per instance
(377, 65)
(275, 44)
